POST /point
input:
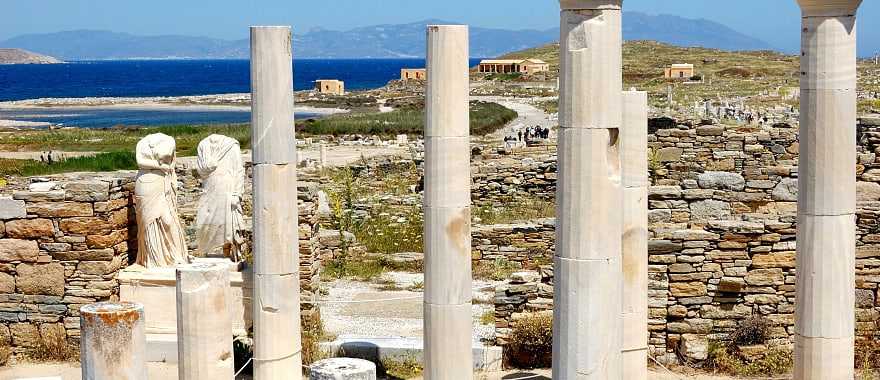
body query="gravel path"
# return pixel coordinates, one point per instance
(399, 315)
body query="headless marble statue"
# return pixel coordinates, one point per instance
(219, 222)
(161, 241)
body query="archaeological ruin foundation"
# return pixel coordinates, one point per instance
(665, 238)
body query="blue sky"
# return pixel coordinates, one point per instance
(774, 21)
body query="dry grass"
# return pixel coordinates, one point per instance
(530, 343)
(53, 347)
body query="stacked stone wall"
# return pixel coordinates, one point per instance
(63, 240)
(722, 214)
(61, 248)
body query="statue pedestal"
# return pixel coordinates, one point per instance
(155, 289)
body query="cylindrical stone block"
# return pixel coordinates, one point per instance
(589, 209)
(342, 369)
(825, 283)
(448, 324)
(277, 340)
(113, 343)
(322, 158)
(204, 324)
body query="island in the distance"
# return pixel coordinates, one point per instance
(19, 56)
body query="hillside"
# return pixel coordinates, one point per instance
(19, 56)
(726, 73)
(377, 41)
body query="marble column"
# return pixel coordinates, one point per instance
(447, 303)
(204, 324)
(113, 344)
(277, 340)
(587, 292)
(824, 305)
(634, 274)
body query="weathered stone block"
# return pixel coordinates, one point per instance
(84, 226)
(46, 279)
(18, 250)
(774, 260)
(786, 190)
(87, 190)
(722, 181)
(30, 228)
(7, 283)
(11, 208)
(60, 209)
(687, 289)
(765, 277)
(710, 210)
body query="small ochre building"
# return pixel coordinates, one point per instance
(679, 71)
(524, 66)
(330, 86)
(419, 74)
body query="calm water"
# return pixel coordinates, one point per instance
(169, 78)
(183, 77)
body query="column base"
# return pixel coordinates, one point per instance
(823, 358)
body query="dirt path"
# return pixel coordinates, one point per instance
(529, 116)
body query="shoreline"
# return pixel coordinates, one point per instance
(198, 103)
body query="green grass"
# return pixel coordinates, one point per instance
(110, 140)
(485, 118)
(103, 162)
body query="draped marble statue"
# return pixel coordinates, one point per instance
(161, 240)
(219, 222)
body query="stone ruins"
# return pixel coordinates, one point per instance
(664, 238)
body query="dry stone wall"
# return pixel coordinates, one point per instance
(63, 240)
(722, 216)
(61, 245)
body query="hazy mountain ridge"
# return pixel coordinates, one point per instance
(377, 41)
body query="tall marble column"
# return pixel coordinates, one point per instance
(587, 292)
(447, 304)
(204, 324)
(824, 305)
(277, 340)
(113, 344)
(634, 166)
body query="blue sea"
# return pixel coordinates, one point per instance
(145, 78)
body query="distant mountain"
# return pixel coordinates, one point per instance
(379, 41)
(19, 56)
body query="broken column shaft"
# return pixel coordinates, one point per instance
(447, 305)
(634, 169)
(825, 284)
(587, 290)
(277, 341)
(204, 324)
(113, 344)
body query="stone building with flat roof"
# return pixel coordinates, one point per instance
(330, 86)
(679, 71)
(524, 66)
(419, 74)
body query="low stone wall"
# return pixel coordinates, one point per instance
(722, 221)
(63, 243)
(524, 245)
(61, 249)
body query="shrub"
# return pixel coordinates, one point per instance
(5, 355)
(53, 347)
(530, 343)
(753, 330)
(102, 162)
(312, 334)
(400, 368)
(868, 357)
(723, 358)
